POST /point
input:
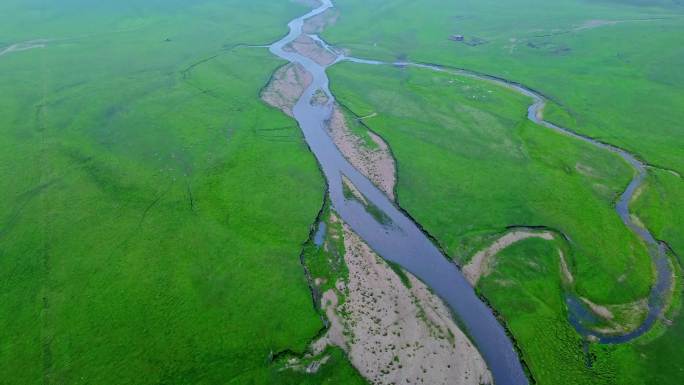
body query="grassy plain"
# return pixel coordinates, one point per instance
(613, 67)
(470, 164)
(152, 210)
(525, 289)
(535, 314)
(659, 206)
(567, 48)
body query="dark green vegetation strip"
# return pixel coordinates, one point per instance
(371, 208)
(401, 273)
(152, 210)
(327, 260)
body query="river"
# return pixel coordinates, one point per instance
(402, 241)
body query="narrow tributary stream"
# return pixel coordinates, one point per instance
(657, 250)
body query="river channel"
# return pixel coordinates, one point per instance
(400, 241)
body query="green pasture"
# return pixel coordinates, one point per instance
(470, 164)
(525, 288)
(153, 210)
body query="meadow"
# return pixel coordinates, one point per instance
(153, 210)
(525, 289)
(613, 68)
(470, 165)
(612, 71)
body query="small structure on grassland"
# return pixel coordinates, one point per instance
(456, 37)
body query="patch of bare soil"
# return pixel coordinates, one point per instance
(318, 23)
(622, 318)
(396, 333)
(306, 46)
(567, 275)
(482, 262)
(286, 87)
(602, 311)
(376, 164)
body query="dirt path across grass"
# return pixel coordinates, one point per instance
(481, 264)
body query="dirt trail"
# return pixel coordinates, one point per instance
(597, 23)
(482, 262)
(396, 332)
(375, 164)
(40, 43)
(286, 87)
(308, 3)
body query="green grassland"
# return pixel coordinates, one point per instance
(621, 82)
(153, 209)
(597, 73)
(469, 165)
(526, 290)
(659, 206)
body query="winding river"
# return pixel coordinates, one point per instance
(403, 242)
(657, 250)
